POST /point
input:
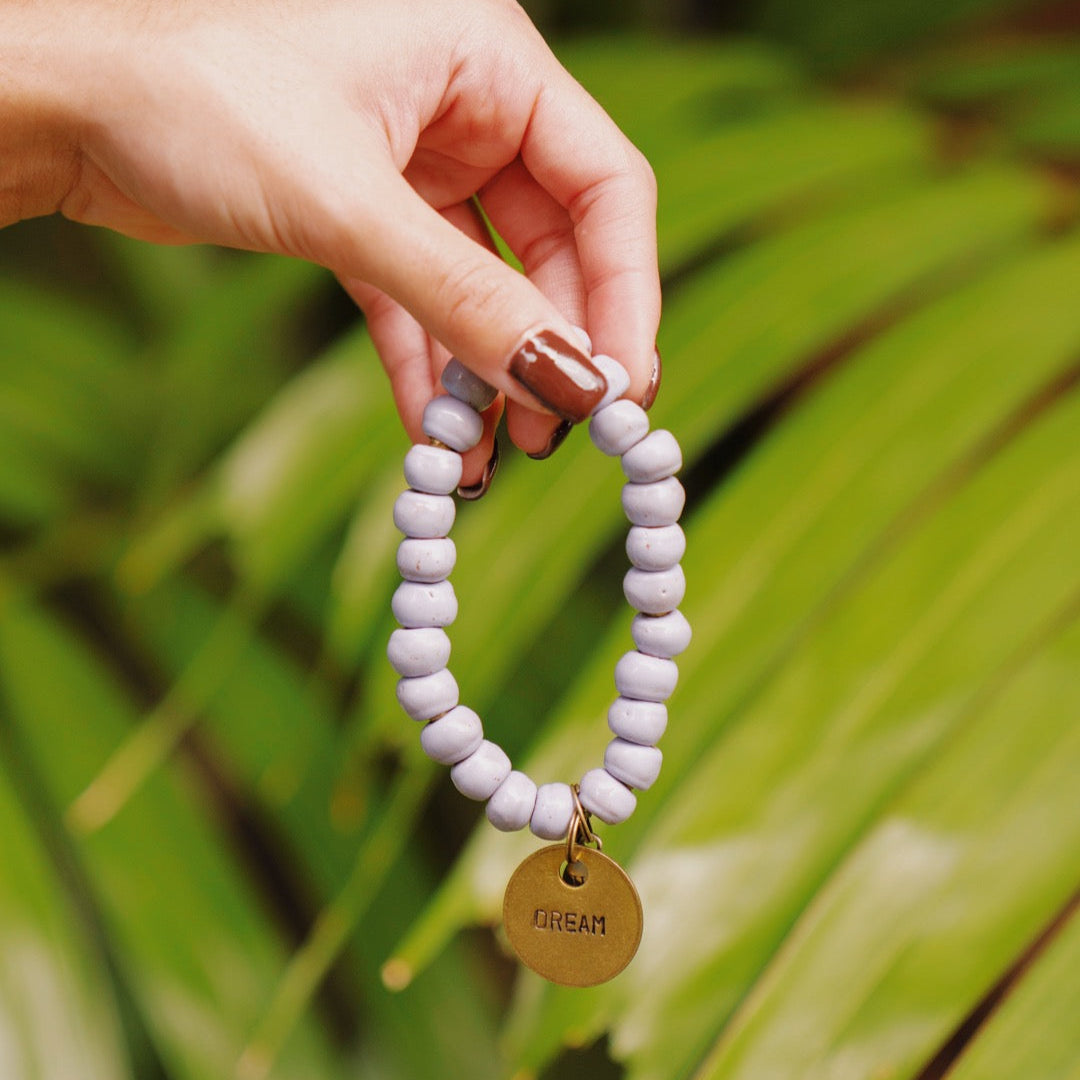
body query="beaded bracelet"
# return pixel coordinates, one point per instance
(569, 911)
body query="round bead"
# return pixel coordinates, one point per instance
(427, 696)
(659, 503)
(553, 810)
(426, 560)
(432, 469)
(617, 427)
(482, 772)
(414, 653)
(453, 423)
(654, 592)
(653, 458)
(616, 377)
(459, 382)
(416, 604)
(601, 794)
(632, 764)
(424, 516)
(645, 678)
(641, 722)
(425, 602)
(657, 455)
(655, 549)
(661, 635)
(511, 807)
(453, 737)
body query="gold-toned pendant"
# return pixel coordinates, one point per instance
(571, 913)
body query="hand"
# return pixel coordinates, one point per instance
(355, 133)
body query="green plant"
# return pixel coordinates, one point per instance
(217, 826)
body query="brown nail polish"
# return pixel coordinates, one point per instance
(654, 382)
(558, 437)
(480, 488)
(558, 374)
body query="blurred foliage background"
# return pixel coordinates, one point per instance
(221, 847)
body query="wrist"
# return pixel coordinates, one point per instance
(39, 153)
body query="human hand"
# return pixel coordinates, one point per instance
(355, 133)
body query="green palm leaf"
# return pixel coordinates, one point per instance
(220, 836)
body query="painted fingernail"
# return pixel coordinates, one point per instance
(654, 382)
(479, 489)
(558, 374)
(558, 437)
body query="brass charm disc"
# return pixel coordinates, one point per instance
(575, 935)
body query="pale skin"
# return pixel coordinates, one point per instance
(355, 134)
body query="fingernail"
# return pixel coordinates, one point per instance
(654, 382)
(558, 437)
(558, 374)
(479, 489)
(583, 336)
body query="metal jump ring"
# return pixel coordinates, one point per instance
(580, 833)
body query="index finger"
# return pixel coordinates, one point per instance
(577, 153)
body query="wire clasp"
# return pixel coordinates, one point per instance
(579, 834)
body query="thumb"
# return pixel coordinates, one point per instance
(492, 318)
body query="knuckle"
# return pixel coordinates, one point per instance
(467, 294)
(646, 173)
(542, 248)
(640, 173)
